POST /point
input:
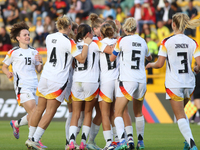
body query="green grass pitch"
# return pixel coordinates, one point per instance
(156, 137)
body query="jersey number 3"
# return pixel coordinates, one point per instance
(184, 62)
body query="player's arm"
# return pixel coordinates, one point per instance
(149, 58)
(6, 71)
(158, 64)
(113, 56)
(83, 55)
(197, 67)
(109, 49)
(39, 66)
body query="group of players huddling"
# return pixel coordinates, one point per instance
(96, 67)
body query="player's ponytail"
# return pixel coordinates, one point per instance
(95, 20)
(130, 25)
(107, 30)
(82, 30)
(182, 21)
(63, 23)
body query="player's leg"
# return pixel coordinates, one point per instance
(96, 122)
(139, 122)
(128, 129)
(67, 123)
(87, 122)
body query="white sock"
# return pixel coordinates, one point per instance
(72, 133)
(67, 125)
(115, 134)
(85, 132)
(119, 124)
(93, 132)
(38, 134)
(21, 122)
(187, 120)
(129, 131)
(108, 137)
(31, 131)
(185, 130)
(80, 122)
(139, 122)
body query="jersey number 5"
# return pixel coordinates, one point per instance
(137, 59)
(184, 61)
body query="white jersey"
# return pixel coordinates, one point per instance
(60, 50)
(89, 71)
(109, 70)
(23, 66)
(178, 49)
(133, 50)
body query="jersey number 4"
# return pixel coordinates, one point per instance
(53, 58)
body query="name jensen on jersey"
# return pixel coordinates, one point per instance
(136, 44)
(181, 45)
(80, 47)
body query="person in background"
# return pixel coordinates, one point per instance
(126, 4)
(173, 10)
(120, 15)
(41, 11)
(5, 41)
(75, 6)
(14, 14)
(162, 31)
(26, 12)
(39, 32)
(108, 11)
(135, 11)
(86, 9)
(49, 26)
(191, 12)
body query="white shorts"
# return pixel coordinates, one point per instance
(68, 97)
(107, 91)
(25, 94)
(179, 94)
(131, 89)
(51, 90)
(84, 91)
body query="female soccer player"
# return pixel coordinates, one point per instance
(108, 75)
(132, 80)
(85, 85)
(96, 122)
(179, 80)
(52, 85)
(25, 60)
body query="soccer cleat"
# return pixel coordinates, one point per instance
(140, 145)
(109, 147)
(82, 146)
(92, 145)
(43, 146)
(70, 146)
(130, 144)
(192, 121)
(198, 123)
(121, 145)
(33, 145)
(15, 129)
(194, 148)
(186, 146)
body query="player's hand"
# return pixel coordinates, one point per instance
(148, 66)
(87, 40)
(38, 58)
(9, 75)
(196, 69)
